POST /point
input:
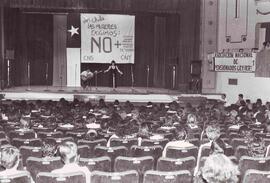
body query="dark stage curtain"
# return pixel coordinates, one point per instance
(31, 36)
(59, 50)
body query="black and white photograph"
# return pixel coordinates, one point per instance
(134, 91)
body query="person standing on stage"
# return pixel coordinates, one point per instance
(86, 77)
(113, 73)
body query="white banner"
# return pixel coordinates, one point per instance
(106, 37)
(235, 62)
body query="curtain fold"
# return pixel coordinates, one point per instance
(59, 50)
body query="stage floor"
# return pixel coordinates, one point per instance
(136, 95)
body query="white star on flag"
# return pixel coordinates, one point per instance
(73, 30)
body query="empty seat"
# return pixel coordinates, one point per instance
(130, 176)
(83, 151)
(22, 177)
(173, 152)
(152, 176)
(17, 142)
(99, 163)
(171, 164)
(256, 176)
(241, 151)
(247, 163)
(92, 145)
(28, 151)
(22, 134)
(111, 152)
(76, 177)
(235, 142)
(53, 134)
(36, 165)
(140, 164)
(127, 142)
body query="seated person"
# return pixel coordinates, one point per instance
(212, 133)
(69, 155)
(119, 133)
(218, 168)
(91, 135)
(179, 142)
(10, 157)
(218, 146)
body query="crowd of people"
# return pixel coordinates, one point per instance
(206, 122)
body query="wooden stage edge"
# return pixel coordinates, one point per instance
(135, 95)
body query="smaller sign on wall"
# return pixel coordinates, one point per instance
(235, 62)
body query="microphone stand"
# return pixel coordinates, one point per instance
(96, 84)
(132, 80)
(46, 76)
(75, 90)
(8, 73)
(28, 75)
(113, 82)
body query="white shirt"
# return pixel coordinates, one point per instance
(12, 171)
(74, 167)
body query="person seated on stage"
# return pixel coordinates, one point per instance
(10, 158)
(86, 77)
(48, 148)
(180, 141)
(69, 155)
(218, 168)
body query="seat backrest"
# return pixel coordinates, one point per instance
(28, 151)
(53, 134)
(22, 134)
(83, 151)
(92, 145)
(153, 176)
(173, 152)
(247, 163)
(36, 165)
(148, 142)
(61, 140)
(170, 164)
(76, 135)
(124, 142)
(22, 177)
(235, 142)
(74, 177)
(130, 176)
(140, 164)
(256, 176)
(35, 142)
(99, 163)
(241, 151)
(154, 151)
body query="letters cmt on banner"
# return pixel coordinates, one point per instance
(235, 62)
(106, 37)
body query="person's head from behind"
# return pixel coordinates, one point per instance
(25, 123)
(212, 132)
(223, 96)
(69, 152)
(245, 131)
(240, 96)
(181, 134)
(10, 156)
(218, 146)
(91, 135)
(48, 148)
(218, 168)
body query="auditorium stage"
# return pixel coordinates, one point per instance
(135, 95)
